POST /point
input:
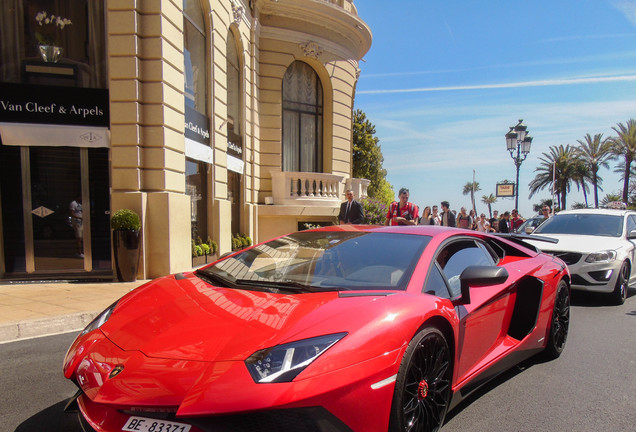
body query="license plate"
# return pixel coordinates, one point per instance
(143, 424)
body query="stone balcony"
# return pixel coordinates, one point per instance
(308, 189)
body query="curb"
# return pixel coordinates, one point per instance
(15, 331)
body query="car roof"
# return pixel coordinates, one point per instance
(601, 211)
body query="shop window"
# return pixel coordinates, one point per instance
(195, 91)
(79, 56)
(234, 135)
(302, 119)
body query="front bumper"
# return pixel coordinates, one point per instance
(222, 396)
(595, 277)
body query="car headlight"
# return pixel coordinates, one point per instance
(602, 256)
(100, 319)
(283, 363)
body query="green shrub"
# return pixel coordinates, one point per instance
(212, 244)
(206, 248)
(374, 211)
(125, 219)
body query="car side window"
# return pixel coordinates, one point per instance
(455, 257)
(436, 284)
(631, 224)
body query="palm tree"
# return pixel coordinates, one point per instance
(471, 188)
(581, 176)
(489, 200)
(544, 202)
(610, 197)
(595, 152)
(624, 145)
(561, 159)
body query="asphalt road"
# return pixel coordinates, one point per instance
(589, 388)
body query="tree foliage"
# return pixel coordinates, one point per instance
(489, 200)
(367, 158)
(595, 152)
(624, 146)
(560, 161)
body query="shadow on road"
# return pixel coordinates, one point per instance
(492, 384)
(51, 419)
(592, 299)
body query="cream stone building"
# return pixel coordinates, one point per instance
(206, 117)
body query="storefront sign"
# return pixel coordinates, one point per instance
(197, 136)
(197, 126)
(505, 190)
(235, 157)
(39, 104)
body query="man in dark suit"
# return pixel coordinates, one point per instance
(350, 211)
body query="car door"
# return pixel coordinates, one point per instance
(482, 326)
(631, 226)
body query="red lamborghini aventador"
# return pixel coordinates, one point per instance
(336, 329)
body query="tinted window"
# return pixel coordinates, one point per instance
(436, 285)
(454, 259)
(328, 260)
(583, 224)
(631, 224)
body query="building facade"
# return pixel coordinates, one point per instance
(206, 117)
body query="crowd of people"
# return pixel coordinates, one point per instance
(404, 212)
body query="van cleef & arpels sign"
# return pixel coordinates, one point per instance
(25, 103)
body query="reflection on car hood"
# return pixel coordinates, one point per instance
(578, 243)
(190, 320)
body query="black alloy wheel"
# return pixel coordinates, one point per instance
(619, 295)
(423, 385)
(560, 322)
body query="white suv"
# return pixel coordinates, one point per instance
(598, 245)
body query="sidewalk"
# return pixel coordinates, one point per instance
(37, 309)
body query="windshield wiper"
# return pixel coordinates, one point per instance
(282, 285)
(214, 278)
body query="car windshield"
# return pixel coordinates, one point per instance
(583, 224)
(311, 261)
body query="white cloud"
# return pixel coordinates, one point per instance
(628, 9)
(537, 83)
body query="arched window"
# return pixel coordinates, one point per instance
(194, 55)
(195, 90)
(302, 119)
(234, 132)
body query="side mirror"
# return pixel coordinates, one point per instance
(479, 276)
(529, 230)
(632, 234)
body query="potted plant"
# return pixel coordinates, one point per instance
(50, 27)
(126, 224)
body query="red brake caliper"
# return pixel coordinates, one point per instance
(422, 390)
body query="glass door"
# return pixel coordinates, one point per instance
(55, 212)
(57, 209)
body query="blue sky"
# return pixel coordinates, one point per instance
(444, 80)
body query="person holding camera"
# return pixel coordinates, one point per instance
(402, 212)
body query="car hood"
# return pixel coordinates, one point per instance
(578, 243)
(187, 319)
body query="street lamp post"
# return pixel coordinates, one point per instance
(518, 141)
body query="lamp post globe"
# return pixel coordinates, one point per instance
(518, 143)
